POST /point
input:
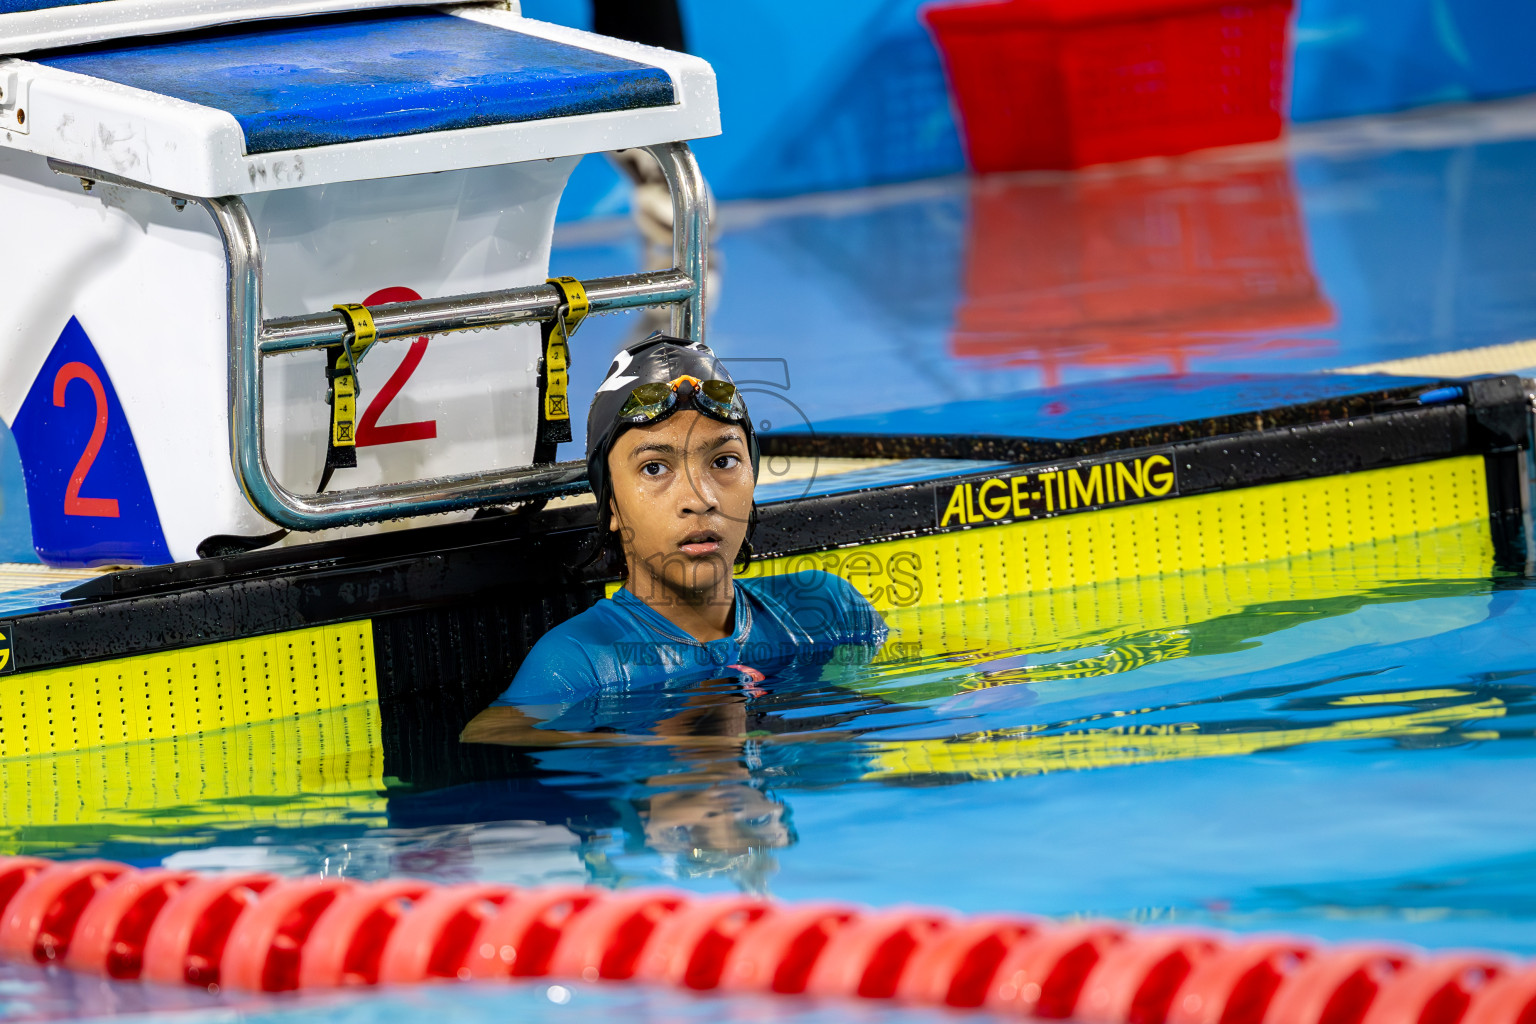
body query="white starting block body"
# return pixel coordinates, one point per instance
(384, 155)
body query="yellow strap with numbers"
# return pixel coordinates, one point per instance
(557, 355)
(344, 386)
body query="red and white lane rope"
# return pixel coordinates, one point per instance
(262, 933)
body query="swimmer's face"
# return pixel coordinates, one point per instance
(720, 819)
(682, 496)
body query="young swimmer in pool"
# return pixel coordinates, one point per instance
(672, 457)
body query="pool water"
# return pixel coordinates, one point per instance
(1346, 244)
(32, 994)
(1331, 745)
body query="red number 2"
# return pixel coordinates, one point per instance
(368, 430)
(74, 505)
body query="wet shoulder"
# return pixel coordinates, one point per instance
(606, 621)
(574, 658)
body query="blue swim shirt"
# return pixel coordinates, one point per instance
(622, 644)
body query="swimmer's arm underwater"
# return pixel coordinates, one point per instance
(512, 727)
(710, 727)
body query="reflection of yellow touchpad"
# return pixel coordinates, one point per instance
(1210, 622)
(324, 767)
(1013, 752)
(282, 729)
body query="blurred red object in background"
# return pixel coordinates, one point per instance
(1148, 268)
(1067, 83)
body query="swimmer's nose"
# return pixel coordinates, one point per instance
(701, 497)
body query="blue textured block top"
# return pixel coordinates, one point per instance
(317, 82)
(20, 6)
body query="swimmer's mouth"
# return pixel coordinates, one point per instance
(705, 542)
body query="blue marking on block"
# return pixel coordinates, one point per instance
(318, 82)
(54, 440)
(15, 524)
(1440, 395)
(20, 6)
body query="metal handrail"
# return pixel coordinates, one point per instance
(471, 312)
(251, 339)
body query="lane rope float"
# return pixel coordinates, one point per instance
(257, 932)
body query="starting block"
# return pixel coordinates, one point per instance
(214, 213)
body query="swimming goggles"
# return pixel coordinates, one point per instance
(717, 399)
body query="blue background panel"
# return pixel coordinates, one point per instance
(322, 82)
(1367, 56)
(862, 100)
(18, 6)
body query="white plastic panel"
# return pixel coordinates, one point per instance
(146, 284)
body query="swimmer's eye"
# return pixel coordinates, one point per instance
(727, 462)
(653, 469)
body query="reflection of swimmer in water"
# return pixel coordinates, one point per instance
(673, 458)
(691, 789)
(711, 817)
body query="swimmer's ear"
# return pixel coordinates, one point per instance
(614, 525)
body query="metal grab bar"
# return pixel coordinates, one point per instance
(250, 339)
(471, 312)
